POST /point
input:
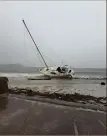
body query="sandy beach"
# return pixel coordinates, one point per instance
(81, 86)
(81, 91)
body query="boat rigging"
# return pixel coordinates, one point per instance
(35, 44)
(57, 71)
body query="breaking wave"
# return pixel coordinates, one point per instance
(26, 75)
(19, 75)
(90, 77)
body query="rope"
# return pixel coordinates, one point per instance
(44, 54)
(25, 44)
(37, 54)
(54, 53)
(40, 59)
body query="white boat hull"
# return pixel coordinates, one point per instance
(54, 73)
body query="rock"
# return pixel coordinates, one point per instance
(91, 101)
(105, 104)
(3, 85)
(29, 92)
(103, 101)
(102, 83)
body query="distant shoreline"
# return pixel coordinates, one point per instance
(18, 68)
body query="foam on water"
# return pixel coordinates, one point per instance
(26, 75)
(19, 75)
(89, 77)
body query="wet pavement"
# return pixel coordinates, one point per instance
(21, 116)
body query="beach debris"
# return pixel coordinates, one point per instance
(102, 83)
(76, 97)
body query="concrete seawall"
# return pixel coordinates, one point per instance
(3, 85)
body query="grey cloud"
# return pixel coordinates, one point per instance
(70, 31)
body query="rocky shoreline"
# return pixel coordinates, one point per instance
(76, 97)
(69, 94)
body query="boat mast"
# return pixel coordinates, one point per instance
(35, 43)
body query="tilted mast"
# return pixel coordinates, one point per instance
(35, 43)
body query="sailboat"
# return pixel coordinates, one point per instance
(63, 71)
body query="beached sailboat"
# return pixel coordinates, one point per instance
(55, 71)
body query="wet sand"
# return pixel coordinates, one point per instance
(84, 93)
(81, 86)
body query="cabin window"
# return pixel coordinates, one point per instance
(59, 69)
(53, 73)
(63, 69)
(69, 71)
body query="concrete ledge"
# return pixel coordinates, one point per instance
(63, 103)
(3, 85)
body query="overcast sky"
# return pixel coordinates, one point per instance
(70, 31)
